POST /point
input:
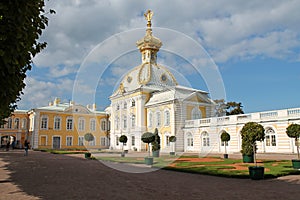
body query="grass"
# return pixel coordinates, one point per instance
(223, 167)
(62, 151)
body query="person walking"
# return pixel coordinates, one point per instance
(26, 145)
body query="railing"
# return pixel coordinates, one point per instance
(243, 117)
(295, 111)
(273, 114)
(286, 113)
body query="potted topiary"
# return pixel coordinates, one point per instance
(172, 139)
(156, 144)
(251, 133)
(123, 139)
(148, 137)
(225, 137)
(293, 131)
(88, 137)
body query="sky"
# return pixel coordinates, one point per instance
(243, 51)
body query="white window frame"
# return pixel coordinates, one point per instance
(68, 128)
(150, 119)
(196, 113)
(158, 118)
(44, 122)
(17, 123)
(92, 124)
(24, 123)
(69, 137)
(81, 124)
(57, 124)
(103, 141)
(167, 118)
(80, 141)
(103, 125)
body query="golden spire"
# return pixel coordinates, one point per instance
(148, 16)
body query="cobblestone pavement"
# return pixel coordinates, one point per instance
(49, 176)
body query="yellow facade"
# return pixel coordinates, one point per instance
(15, 130)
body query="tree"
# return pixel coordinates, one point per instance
(89, 137)
(225, 137)
(251, 132)
(234, 108)
(173, 139)
(293, 131)
(148, 137)
(21, 25)
(123, 139)
(156, 142)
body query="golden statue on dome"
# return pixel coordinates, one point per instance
(148, 16)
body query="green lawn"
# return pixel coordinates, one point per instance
(224, 167)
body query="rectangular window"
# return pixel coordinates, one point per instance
(103, 141)
(23, 125)
(132, 140)
(81, 125)
(44, 122)
(133, 104)
(92, 143)
(93, 125)
(103, 125)
(69, 124)
(57, 123)
(190, 142)
(69, 141)
(80, 140)
(273, 140)
(133, 121)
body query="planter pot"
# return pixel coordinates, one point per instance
(248, 158)
(123, 154)
(155, 154)
(148, 160)
(296, 164)
(87, 155)
(172, 153)
(125, 151)
(225, 156)
(256, 173)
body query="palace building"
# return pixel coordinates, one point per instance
(148, 97)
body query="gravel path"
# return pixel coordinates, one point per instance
(48, 176)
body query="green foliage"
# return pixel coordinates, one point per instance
(234, 108)
(123, 139)
(89, 137)
(251, 132)
(148, 137)
(156, 142)
(21, 25)
(172, 138)
(225, 137)
(293, 131)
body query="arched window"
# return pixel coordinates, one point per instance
(117, 123)
(205, 139)
(158, 119)
(196, 113)
(17, 123)
(125, 105)
(270, 137)
(9, 123)
(124, 122)
(167, 117)
(167, 141)
(190, 140)
(150, 119)
(132, 121)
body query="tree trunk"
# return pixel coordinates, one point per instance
(297, 145)
(225, 143)
(254, 154)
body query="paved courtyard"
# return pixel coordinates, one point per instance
(49, 176)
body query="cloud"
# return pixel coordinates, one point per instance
(228, 30)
